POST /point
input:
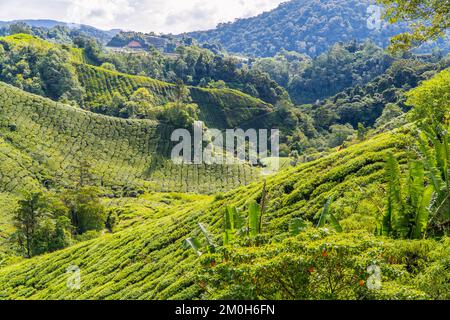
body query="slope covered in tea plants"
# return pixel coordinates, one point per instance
(147, 261)
(44, 143)
(219, 108)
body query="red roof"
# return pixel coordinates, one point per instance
(134, 44)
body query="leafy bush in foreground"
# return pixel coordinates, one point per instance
(319, 264)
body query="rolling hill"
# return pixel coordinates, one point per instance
(45, 142)
(104, 36)
(309, 27)
(360, 214)
(219, 108)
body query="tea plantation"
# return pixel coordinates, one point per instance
(147, 260)
(219, 108)
(44, 143)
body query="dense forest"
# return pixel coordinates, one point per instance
(359, 208)
(305, 26)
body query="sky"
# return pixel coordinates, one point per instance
(161, 16)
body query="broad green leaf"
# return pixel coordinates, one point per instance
(254, 216)
(335, 223)
(238, 219)
(415, 183)
(229, 218)
(395, 219)
(430, 164)
(208, 237)
(325, 212)
(194, 244)
(296, 226)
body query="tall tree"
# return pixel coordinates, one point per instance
(19, 27)
(59, 76)
(86, 209)
(41, 223)
(27, 219)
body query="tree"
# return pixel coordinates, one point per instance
(59, 76)
(217, 84)
(340, 133)
(429, 19)
(55, 229)
(390, 112)
(27, 220)
(85, 209)
(362, 132)
(117, 104)
(92, 49)
(41, 223)
(82, 173)
(139, 105)
(181, 91)
(324, 116)
(431, 101)
(19, 27)
(108, 66)
(179, 115)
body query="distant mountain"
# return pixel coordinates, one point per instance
(37, 23)
(103, 36)
(305, 26)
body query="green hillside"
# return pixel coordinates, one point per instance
(42, 143)
(148, 261)
(28, 42)
(92, 207)
(219, 108)
(306, 26)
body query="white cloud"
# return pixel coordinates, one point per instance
(166, 16)
(101, 12)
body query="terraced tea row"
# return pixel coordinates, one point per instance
(148, 262)
(219, 108)
(44, 143)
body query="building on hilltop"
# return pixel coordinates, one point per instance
(134, 45)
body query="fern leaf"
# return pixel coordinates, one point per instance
(423, 210)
